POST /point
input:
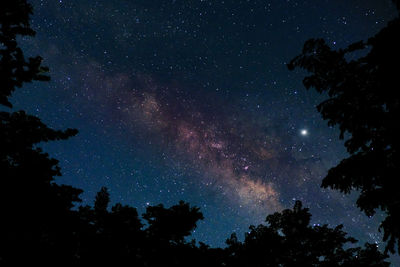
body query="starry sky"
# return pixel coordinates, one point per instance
(192, 100)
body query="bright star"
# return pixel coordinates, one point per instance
(304, 132)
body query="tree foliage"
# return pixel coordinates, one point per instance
(15, 70)
(363, 102)
(289, 240)
(117, 236)
(36, 212)
(172, 224)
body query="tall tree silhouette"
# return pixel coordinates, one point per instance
(363, 101)
(289, 240)
(36, 215)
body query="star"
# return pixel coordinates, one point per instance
(304, 132)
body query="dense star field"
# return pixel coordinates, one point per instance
(192, 100)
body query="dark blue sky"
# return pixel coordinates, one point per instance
(192, 100)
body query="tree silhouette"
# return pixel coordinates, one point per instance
(109, 237)
(166, 232)
(363, 101)
(117, 236)
(36, 213)
(15, 70)
(289, 240)
(172, 224)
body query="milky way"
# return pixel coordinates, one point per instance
(241, 159)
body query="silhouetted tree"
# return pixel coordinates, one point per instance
(363, 101)
(116, 236)
(102, 201)
(14, 69)
(166, 232)
(289, 240)
(109, 237)
(36, 217)
(172, 224)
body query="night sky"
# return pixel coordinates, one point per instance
(192, 100)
